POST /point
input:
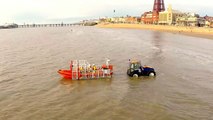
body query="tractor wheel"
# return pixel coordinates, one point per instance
(135, 75)
(152, 74)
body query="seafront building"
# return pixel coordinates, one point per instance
(208, 21)
(146, 18)
(188, 19)
(117, 20)
(127, 19)
(169, 16)
(134, 20)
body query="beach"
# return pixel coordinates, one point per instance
(190, 31)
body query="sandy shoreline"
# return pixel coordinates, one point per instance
(190, 31)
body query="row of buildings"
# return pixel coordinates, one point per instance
(175, 17)
(165, 17)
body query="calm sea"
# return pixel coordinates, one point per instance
(31, 89)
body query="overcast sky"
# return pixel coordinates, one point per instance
(49, 11)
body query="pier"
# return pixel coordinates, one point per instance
(48, 25)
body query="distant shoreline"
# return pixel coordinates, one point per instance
(190, 31)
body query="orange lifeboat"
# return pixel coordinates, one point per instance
(81, 69)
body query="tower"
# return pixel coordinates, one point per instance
(158, 7)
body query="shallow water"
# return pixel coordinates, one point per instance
(30, 87)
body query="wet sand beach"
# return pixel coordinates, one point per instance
(191, 31)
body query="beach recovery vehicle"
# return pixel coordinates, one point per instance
(135, 69)
(81, 69)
